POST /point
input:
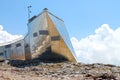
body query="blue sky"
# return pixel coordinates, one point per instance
(81, 17)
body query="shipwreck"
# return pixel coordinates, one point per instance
(47, 38)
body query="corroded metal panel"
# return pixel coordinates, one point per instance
(27, 47)
(14, 50)
(18, 51)
(2, 55)
(60, 46)
(59, 24)
(38, 35)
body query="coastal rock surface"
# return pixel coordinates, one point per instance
(20, 70)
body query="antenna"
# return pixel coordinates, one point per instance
(29, 11)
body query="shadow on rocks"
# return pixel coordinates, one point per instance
(105, 76)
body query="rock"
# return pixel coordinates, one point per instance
(28, 70)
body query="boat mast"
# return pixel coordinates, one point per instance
(29, 11)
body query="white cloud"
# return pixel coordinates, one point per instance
(101, 47)
(6, 37)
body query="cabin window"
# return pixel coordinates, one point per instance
(26, 46)
(55, 38)
(1, 54)
(43, 32)
(18, 45)
(7, 46)
(35, 34)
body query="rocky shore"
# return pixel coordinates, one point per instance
(19, 70)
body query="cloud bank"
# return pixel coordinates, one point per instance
(101, 47)
(6, 37)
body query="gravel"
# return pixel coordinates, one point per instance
(30, 70)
